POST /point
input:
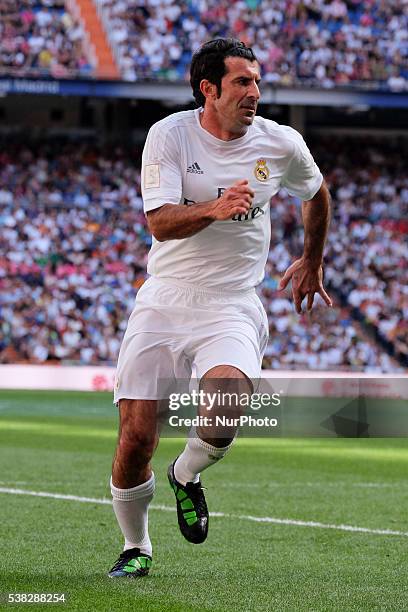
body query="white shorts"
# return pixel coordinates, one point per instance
(176, 327)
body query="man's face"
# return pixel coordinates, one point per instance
(236, 107)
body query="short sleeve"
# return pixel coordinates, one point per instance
(302, 178)
(161, 174)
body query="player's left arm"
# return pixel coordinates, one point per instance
(306, 273)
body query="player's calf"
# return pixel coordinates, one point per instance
(132, 485)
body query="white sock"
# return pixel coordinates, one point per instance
(196, 457)
(131, 510)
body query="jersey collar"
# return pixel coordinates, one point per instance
(229, 144)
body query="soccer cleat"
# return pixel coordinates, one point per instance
(131, 564)
(192, 511)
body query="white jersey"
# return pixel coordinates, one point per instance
(184, 164)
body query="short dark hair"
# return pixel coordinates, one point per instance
(209, 63)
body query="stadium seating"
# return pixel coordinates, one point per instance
(298, 42)
(40, 38)
(369, 249)
(75, 243)
(344, 43)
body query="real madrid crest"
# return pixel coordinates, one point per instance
(261, 170)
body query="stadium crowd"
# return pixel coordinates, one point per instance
(307, 42)
(367, 249)
(298, 42)
(73, 250)
(40, 38)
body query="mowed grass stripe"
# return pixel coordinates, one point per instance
(311, 447)
(57, 429)
(243, 517)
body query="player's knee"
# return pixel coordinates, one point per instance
(137, 447)
(228, 378)
(224, 372)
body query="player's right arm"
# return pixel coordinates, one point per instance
(171, 222)
(162, 187)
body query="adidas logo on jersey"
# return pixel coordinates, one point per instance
(194, 169)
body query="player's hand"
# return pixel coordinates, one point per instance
(306, 281)
(235, 200)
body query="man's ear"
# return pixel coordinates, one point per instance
(208, 89)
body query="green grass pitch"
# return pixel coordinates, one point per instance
(63, 443)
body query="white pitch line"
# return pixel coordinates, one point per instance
(243, 517)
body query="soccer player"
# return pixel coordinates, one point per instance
(208, 176)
